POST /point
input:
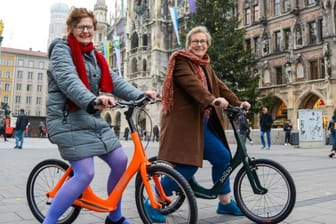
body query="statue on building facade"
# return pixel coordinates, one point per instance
(326, 55)
(289, 73)
(298, 33)
(1, 27)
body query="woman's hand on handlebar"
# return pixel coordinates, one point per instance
(245, 105)
(223, 103)
(151, 94)
(220, 102)
(104, 102)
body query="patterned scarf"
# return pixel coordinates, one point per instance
(77, 50)
(168, 84)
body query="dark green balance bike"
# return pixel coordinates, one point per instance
(263, 189)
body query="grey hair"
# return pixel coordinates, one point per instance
(198, 29)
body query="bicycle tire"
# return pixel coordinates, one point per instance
(42, 179)
(273, 206)
(182, 209)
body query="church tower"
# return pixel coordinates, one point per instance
(58, 15)
(100, 12)
(150, 41)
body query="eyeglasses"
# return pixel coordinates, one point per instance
(197, 42)
(83, 27)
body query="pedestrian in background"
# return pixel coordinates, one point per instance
(156, 133)
(266, 122)
(41, 129)
(126, 133)
(248, 135)
(3, 127)
(244, 126)
(30, 128)
(332, 129)
(20, 127)
(288, 126)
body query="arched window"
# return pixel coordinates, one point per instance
(145, 40)
(134, 42)
(144, 65)
(134, 65)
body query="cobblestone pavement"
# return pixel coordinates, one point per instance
(313, 172)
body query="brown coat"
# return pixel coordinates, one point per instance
(181, 137)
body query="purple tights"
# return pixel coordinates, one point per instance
(83, 174)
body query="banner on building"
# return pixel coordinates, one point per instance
(192, 6)
(106, 48)
(174, 16)
(116, 45)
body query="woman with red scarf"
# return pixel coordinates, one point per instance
(192, 127)
(77, 76)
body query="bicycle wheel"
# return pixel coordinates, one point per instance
(42, 179)
(183, 206)
(276, 203)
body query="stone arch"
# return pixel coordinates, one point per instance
(279, 111)
(308, 99)
(313, 100)
(108, 118)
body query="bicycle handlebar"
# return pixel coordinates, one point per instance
(231, 108)
(143, 100)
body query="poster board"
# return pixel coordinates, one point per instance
(310, 125)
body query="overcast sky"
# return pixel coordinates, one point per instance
(26, 22)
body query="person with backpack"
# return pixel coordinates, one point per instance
(332, 129)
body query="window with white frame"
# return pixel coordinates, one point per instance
(28, 99)
(21, 62)
(18, 86)
(19, 74)
(276, 7)
(17, 99)
(30, 75)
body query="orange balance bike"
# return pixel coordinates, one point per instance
(180, 206)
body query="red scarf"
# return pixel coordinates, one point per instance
(77, 50)
(168, 84)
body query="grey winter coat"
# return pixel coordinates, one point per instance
(79, 134)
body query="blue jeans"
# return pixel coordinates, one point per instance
(215, 152)
(268, 135)
(19, 136)
(333, 138)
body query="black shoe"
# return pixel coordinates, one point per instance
(20, 147)
(120, 221)
(16, 147)
(331, 155)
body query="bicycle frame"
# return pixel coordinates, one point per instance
(139, 163)
(240, 157)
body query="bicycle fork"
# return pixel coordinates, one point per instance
(150, 190)
(251, 172)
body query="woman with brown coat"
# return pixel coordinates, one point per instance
(192, 127)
